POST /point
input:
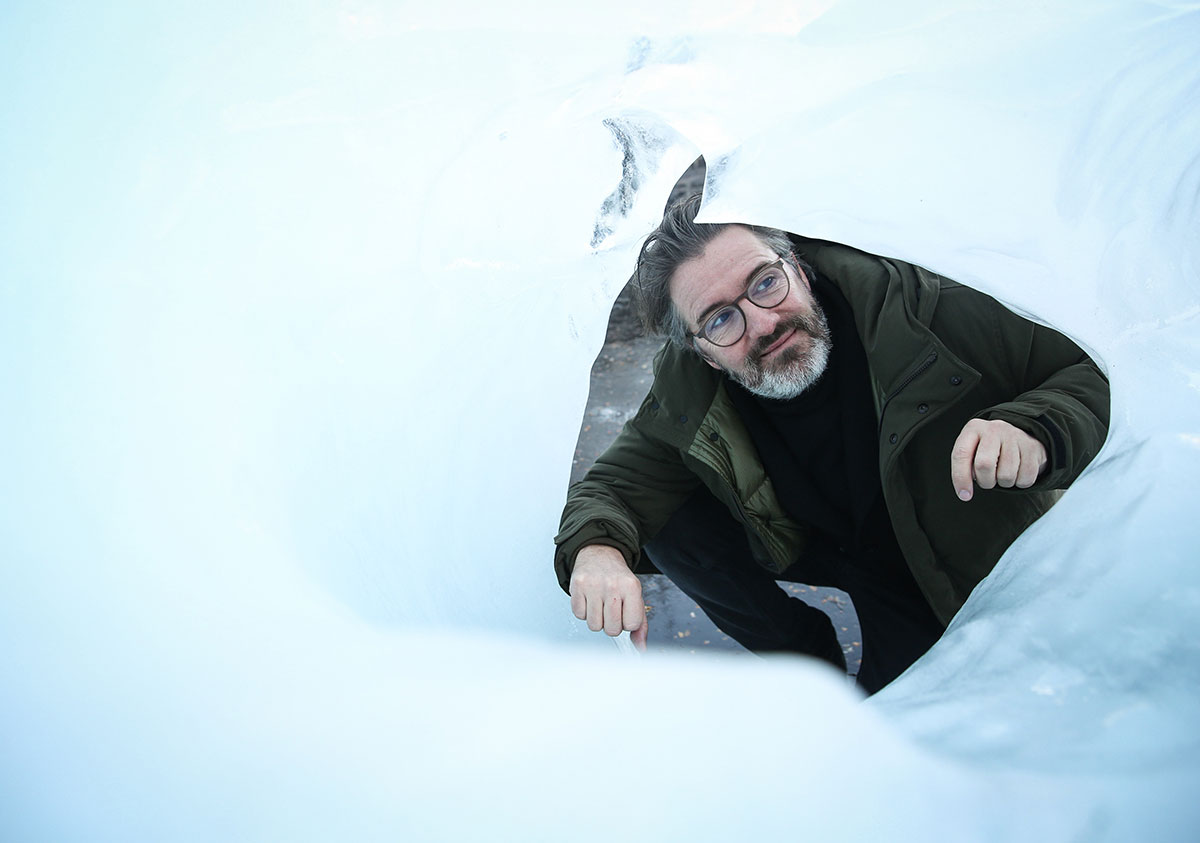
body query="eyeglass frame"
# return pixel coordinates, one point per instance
(781, 264)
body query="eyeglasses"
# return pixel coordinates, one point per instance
(768, 288)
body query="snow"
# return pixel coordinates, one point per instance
(297, 310)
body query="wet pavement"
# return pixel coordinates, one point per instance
(620, 378)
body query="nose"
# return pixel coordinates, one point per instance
(760, 322)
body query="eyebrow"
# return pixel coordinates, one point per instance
(745, 286)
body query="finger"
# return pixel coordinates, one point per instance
(578, 603)
(1033, 463)
(638, 636)
(595, 613)
(613, 615)
(634, 610)
(1008, 463)
(1028, 473)
(962, 455)
(987, 455)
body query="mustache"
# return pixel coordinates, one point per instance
(801, 322)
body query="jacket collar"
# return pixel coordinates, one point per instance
(892, 302)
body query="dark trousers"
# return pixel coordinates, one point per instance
(704, 551)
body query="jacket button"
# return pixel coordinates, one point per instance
(956, 380)
(893, 438)
(714, 436)
(922, 408)
(653, 405)
(683, 419)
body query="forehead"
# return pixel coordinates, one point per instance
(720, 273)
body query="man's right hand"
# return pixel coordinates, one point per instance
(606, 594)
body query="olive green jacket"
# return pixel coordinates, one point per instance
(939, 355)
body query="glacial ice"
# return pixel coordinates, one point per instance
(297, 310)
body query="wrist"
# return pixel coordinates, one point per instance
(599, 553)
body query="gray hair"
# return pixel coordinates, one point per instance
(677, 240)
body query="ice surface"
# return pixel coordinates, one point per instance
(296, 314)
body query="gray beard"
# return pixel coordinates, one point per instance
(794, 371)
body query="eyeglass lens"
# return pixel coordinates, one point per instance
(768, 289)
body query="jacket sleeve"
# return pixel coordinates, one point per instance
(1061, 396)
(625, 498)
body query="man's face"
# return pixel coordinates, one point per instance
(785, 348)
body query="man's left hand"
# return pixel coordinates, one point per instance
(994, 453)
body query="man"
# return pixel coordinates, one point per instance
(825, 416)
